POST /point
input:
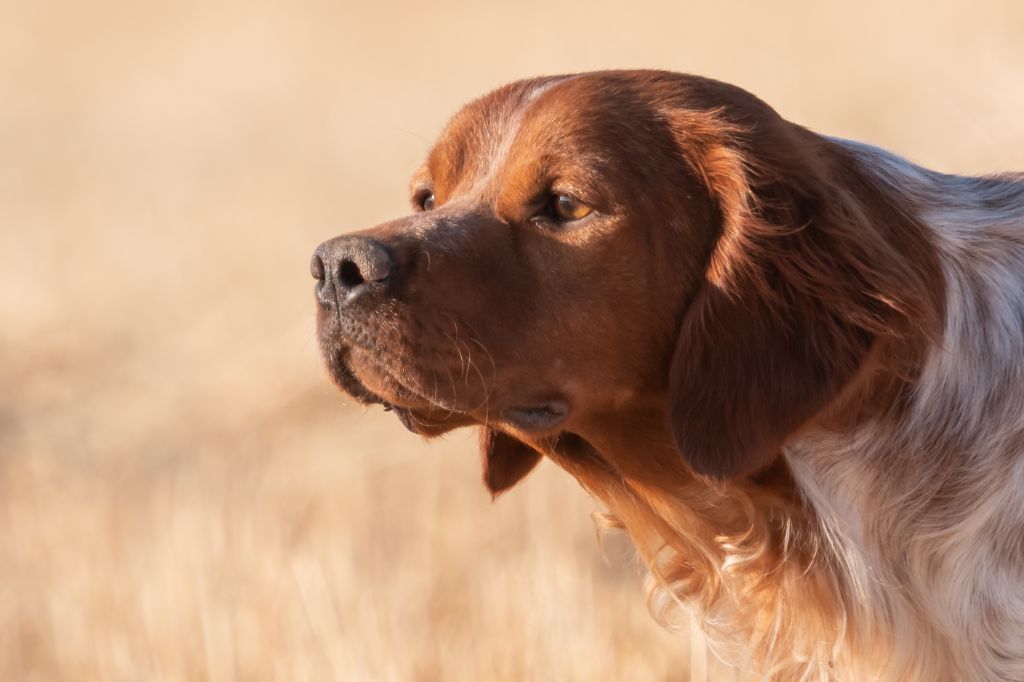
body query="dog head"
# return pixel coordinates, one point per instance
(598, 256)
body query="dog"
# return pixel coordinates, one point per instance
(791, 366)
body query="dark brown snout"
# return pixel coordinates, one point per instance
(345, 267)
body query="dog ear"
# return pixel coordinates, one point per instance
(746, 375)
(506, 461)
(813, 263)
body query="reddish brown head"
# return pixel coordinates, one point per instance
(654, 265)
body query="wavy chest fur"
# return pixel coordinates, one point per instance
(927, 512)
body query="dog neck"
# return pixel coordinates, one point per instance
(747, 556)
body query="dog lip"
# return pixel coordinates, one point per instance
(541, 417)
(404, 415)
(347, 380)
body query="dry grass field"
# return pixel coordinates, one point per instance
(183, 496)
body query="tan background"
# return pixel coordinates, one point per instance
(182, 494)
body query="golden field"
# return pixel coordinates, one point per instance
(183, 495)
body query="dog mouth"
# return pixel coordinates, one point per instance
(533, 417)
(542, 417)
(341, 371)
(418, 415)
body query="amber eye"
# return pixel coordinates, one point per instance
(568, 208)
(425, 200)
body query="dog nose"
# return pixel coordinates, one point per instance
(345, 265)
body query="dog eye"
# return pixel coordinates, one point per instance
(568, 208)
(424, 200)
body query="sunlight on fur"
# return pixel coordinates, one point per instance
(182, 494)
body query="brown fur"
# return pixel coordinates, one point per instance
(740, 280)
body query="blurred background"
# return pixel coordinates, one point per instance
(183, 495)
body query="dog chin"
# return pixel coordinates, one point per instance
(425, 420)
(341, 372)
(427, 425)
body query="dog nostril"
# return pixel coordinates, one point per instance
(316, 267)
(349, 275)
